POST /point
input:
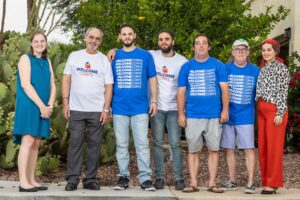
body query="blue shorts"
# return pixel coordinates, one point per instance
(242, 135)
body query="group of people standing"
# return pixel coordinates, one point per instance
(212, 101)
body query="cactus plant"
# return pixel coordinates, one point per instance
(46, 163)
(53, 150)
(108, 147)
(3, 91)
(8, 160)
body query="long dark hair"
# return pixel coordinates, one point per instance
(45, 52)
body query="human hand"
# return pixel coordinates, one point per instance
(51, 109)
(66, 111)
(111, 55)
(153, 109)
(105, 117)
(278, 120)
(45, 111)
(182, 120)
(224, 116)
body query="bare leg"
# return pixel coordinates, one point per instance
(193, 162)
(23, 160)
(250, 163)
(230, 160)
(32, 162)
(213, 160)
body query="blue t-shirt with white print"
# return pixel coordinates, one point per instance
(131, 72)
(242, 85)
(203, 91)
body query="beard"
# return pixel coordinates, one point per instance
(128, 44)
(166, 49)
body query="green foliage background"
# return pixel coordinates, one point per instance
(222, 21)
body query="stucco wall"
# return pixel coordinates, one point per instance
(293, 20)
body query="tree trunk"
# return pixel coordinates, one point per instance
(31, 14)
(2, 23)
(29, 9)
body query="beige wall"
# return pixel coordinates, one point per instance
(293, 20)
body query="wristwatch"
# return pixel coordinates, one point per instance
(106, 110)
(153, 101)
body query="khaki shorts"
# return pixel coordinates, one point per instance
(210, 129)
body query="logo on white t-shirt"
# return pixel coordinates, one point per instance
(87, 65)
(164, 74)
(86, 70)
(165, 69)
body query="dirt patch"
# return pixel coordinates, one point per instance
(107, 174)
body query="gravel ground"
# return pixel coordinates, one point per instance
(107, 173)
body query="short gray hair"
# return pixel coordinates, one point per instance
(91, 28)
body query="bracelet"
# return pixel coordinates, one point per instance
(65, 97)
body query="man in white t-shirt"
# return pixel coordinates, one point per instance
(167, 65)
(87, 93)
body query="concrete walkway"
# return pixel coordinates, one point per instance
(9, 191)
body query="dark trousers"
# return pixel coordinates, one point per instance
(79, 123)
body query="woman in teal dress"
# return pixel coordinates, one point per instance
(34, 103)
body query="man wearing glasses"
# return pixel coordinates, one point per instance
(87, 92)
(242, 77)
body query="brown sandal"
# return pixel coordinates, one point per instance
(215, 189)
(190, 189)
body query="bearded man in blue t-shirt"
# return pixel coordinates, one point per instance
(132, 69)
(203, 99)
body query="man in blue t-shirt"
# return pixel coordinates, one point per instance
(203, 99)
(240, 127)
(132, 69)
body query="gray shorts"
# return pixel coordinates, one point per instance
(242, 135)
(210, 129)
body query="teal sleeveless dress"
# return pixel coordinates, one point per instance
(27, 115)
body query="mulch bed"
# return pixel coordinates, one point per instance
(107, 173)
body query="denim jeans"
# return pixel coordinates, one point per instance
(139, 125)
(158, 123)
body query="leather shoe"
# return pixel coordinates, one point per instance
(159, 184)
(91, 186)
(71, 187)
(269, 191)
(27, 189)
(41, 187)
(179, 185)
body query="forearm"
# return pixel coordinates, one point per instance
(66, 82)
(153, 89)
(181, 100)
(108, 95)
(32, 94)
(225, 97)
(52, 94)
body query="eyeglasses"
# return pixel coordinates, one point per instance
(91, 37)
(240, 50)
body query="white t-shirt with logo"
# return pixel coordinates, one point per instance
(167, 69)
(89, 74)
